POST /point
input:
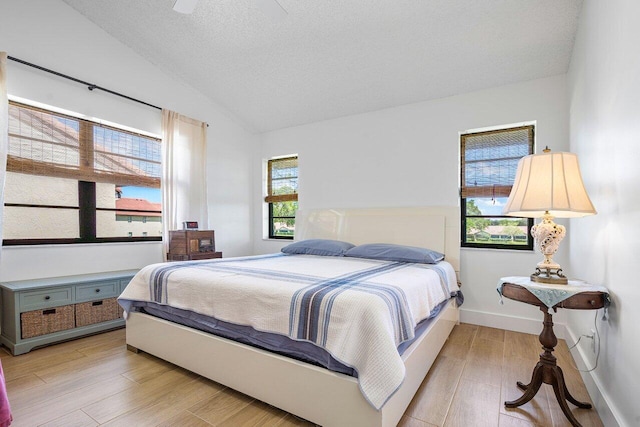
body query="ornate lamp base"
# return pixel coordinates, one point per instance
(549, 275)
(548, 236)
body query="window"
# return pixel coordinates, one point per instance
(488, 165)
(282, 196)
(71, 180)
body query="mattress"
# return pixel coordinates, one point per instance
(280, 344)
(358, 312)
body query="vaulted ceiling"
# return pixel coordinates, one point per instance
(332, 58)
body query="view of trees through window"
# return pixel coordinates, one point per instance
(284, 218)
(486, 226)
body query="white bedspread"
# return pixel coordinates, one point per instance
(359, 310)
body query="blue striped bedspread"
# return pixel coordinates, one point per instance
(359, 310)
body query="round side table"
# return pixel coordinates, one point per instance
(547, 370)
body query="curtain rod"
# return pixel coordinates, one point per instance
(90, 86)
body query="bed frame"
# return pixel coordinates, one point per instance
(316, 394)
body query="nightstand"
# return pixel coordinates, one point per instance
(577, 296)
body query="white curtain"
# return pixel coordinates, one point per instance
(184, 183)
(4, 134)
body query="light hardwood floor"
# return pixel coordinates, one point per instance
(96, 381)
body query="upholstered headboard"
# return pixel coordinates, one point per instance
(433, 227)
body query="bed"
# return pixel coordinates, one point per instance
(302, 387)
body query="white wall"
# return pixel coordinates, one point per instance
(51, 34)
(605, 133)
(409, 156)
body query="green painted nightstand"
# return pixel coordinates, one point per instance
(45, 311)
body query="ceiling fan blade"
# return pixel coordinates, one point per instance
(272, 9)
(185, 6)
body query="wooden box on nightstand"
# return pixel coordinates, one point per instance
(185, 245)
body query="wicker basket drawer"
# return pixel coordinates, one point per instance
(42, 322)
(89, 313)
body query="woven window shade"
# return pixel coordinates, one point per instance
(282, 180)
(46, 143)
(489, 160)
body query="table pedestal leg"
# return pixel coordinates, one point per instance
(547, 371)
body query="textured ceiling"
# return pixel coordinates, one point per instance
(332, 58)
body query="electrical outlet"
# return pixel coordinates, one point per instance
(593, 340)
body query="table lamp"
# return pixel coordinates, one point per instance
(548, 185)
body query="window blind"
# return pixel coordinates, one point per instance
(282, 180)
(489, 160)
(46, 143)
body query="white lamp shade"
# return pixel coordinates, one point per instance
(549, 182)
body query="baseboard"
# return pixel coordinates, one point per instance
(603, 404)
(510, 323)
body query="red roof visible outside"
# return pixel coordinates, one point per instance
(137, 207)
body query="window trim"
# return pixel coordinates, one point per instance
(498, 191)
(271, 198)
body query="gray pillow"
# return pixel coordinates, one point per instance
(323, 247)
(390, 252)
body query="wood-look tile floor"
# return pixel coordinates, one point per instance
(95, 381)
